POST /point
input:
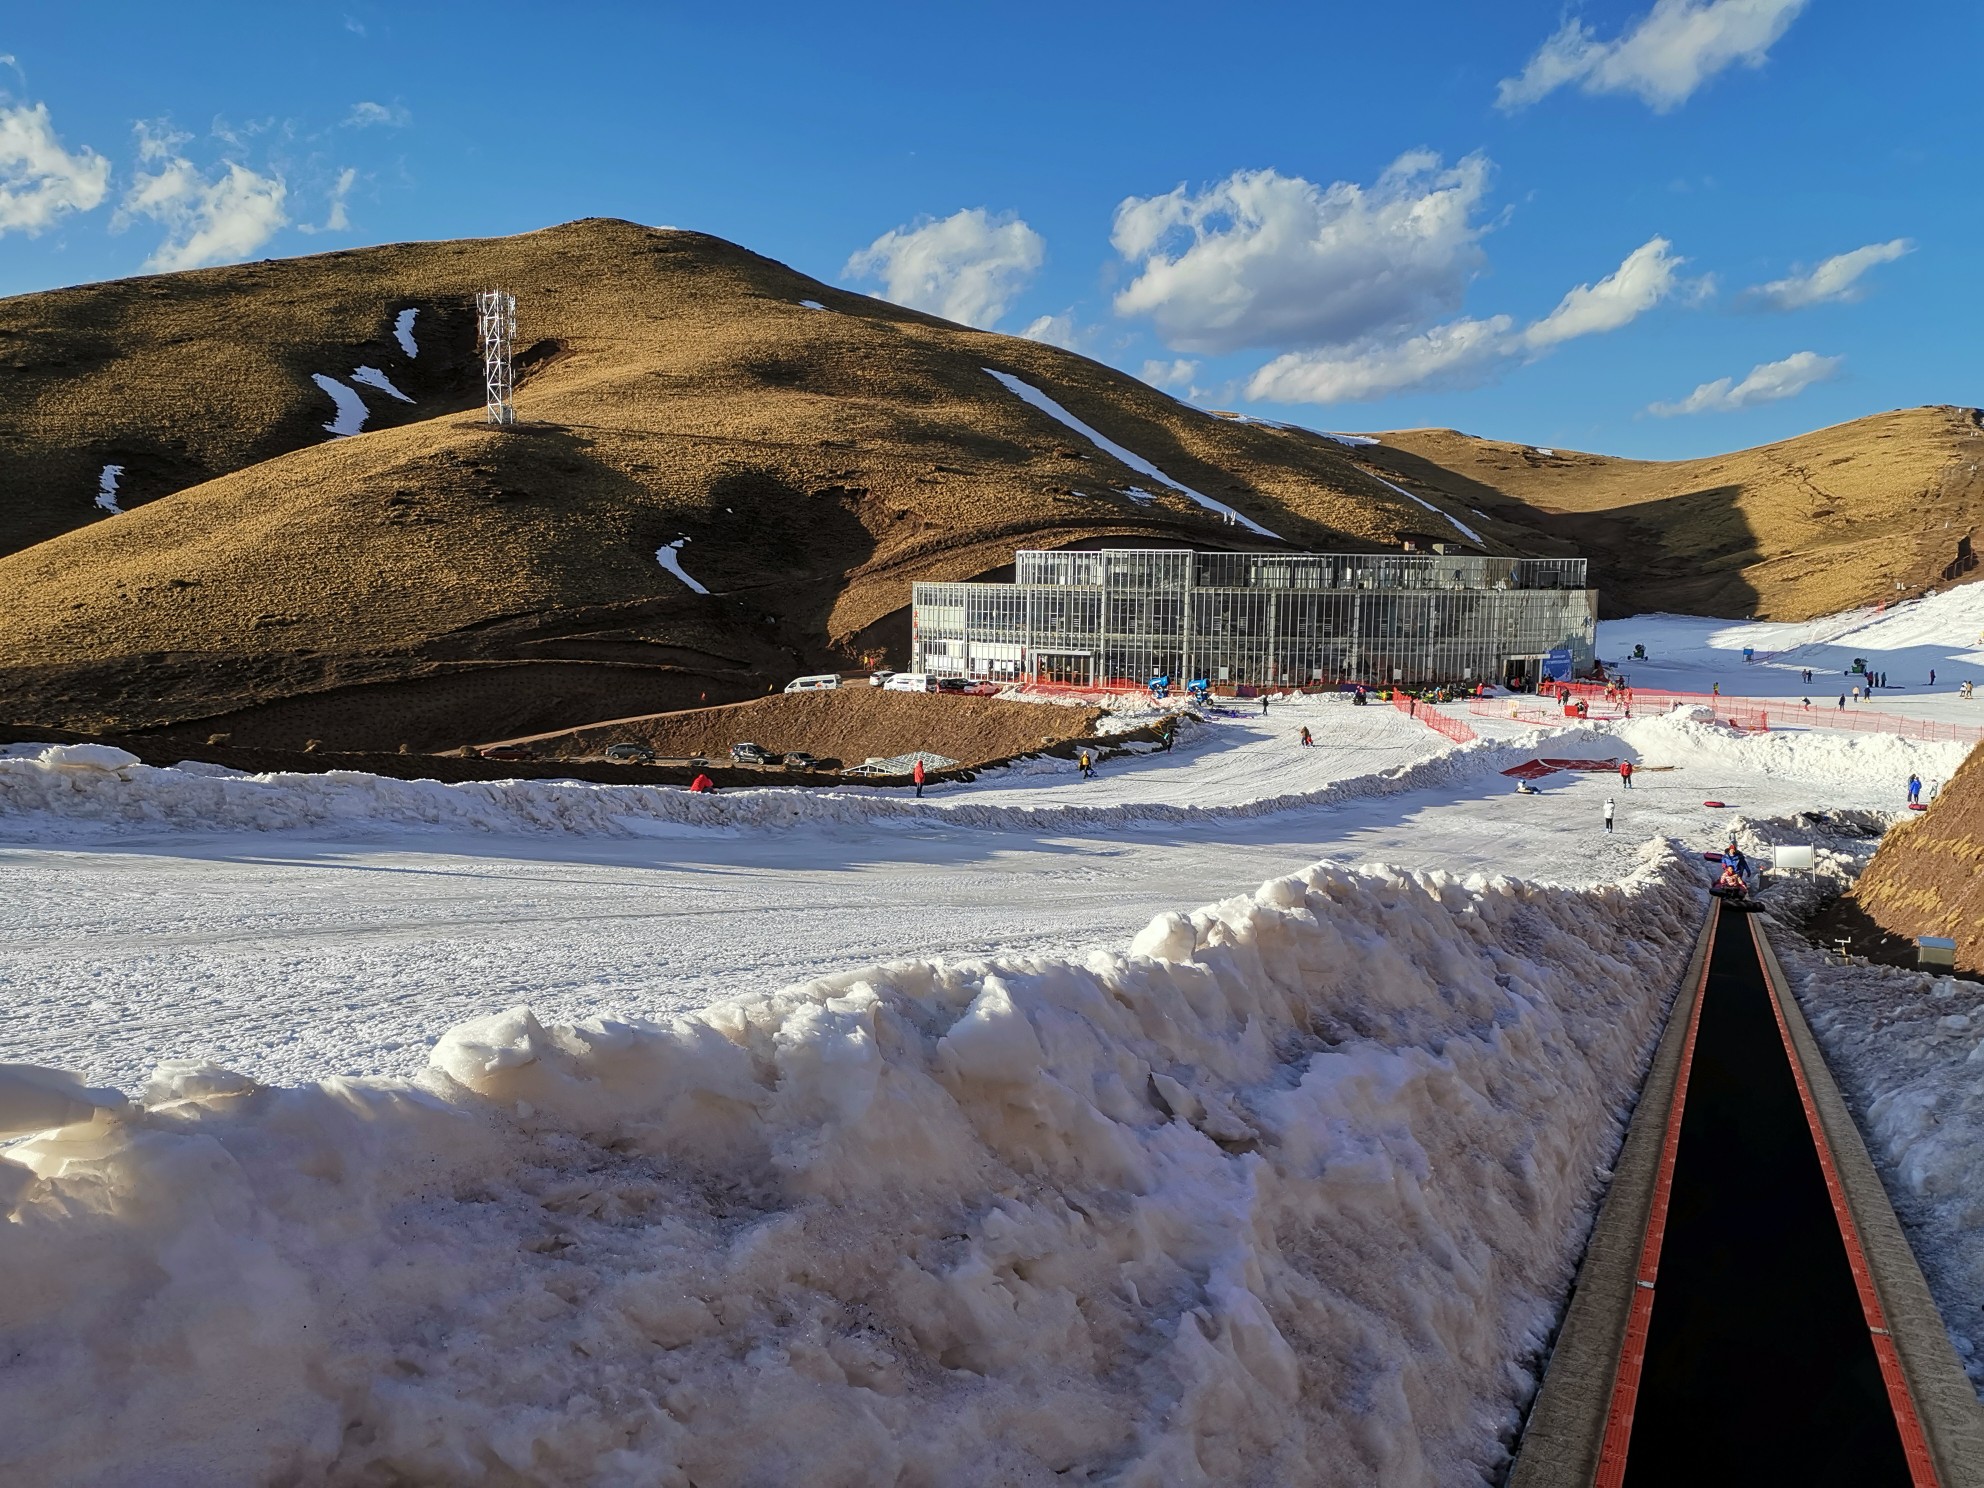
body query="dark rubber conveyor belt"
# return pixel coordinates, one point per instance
(1748, 1310)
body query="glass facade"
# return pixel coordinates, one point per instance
(1258, 619)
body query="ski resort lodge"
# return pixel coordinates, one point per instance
(1260, 619)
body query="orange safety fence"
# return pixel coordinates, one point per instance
(1434, 719)
(1761, 714)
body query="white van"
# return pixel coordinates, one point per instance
(910, 682)
(824, 683)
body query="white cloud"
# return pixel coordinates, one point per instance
(40, 182)
(1457, 352)
(1645, 279)
(1766, 383)
(966, 267)
(366, 114)
(1055, 330)
(1466, 351)
(1263, 259)
(1835, 281)
(206, 220)
(1673, 49)
(1173, 374)
(338, 218)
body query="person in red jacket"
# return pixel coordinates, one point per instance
(917, 775)
(1626, 773)
(702, 783)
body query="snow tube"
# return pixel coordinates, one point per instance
(1917, 806)
(1718, 805)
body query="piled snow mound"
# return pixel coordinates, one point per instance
(44, 794)
(1299, 1179)
(1815, 756)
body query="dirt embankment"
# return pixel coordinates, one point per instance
(850, 724)
(1928, 876)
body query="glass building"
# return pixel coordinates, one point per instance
(1260, 619)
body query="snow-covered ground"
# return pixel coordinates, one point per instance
(1943, 633)
(901, 1139)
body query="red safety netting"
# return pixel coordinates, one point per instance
(1760, 714)
(1434, 719)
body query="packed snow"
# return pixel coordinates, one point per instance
(351, 414)
(1295, 1178)
(403, 331)
(106, 489)
(1942, 632)
(544, 1130)
(811, 305)
(669, 556)
(1458, 525)
(1350, 439)
(373, 377)
(1026, 392)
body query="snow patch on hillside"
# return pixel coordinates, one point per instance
(1458, 525)
(373, 377)
(811, 305)
(351, 414)
(1298, 1178)
(1026, 392)
(106, 489)
(669, 556)
(403, 332)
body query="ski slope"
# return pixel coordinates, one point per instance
(575, 1133)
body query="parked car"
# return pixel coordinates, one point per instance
(825, 682)
(910, 682)
(630, 754)
(799, 759)
(879, 679)
(504, 752)
(954, 684)
(986, 689)
(752, 754)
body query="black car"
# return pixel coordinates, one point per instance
(752, 754)
(799, 759)
(630, 754)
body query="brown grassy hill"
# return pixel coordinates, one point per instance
(1805, 527)
(1927, 878)
(450, 581)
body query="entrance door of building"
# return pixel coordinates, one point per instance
(1066, 668)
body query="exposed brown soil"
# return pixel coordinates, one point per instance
(1927, 877)
(850, 724)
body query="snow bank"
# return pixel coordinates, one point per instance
(351, 414)
(1908, 1051)
(669, 556)
(403, 331)
(811, 305)
(373, 377)
(1028, 393)
(42, 796)
(1814, 757)
(106, 489)
(1299, 1179)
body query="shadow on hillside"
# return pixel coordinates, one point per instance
(1685, 553)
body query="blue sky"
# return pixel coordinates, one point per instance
(1648, 227)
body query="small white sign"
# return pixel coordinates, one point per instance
(1795, 857)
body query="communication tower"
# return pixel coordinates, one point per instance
(496, 323)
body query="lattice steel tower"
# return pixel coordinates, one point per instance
(496, 322)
